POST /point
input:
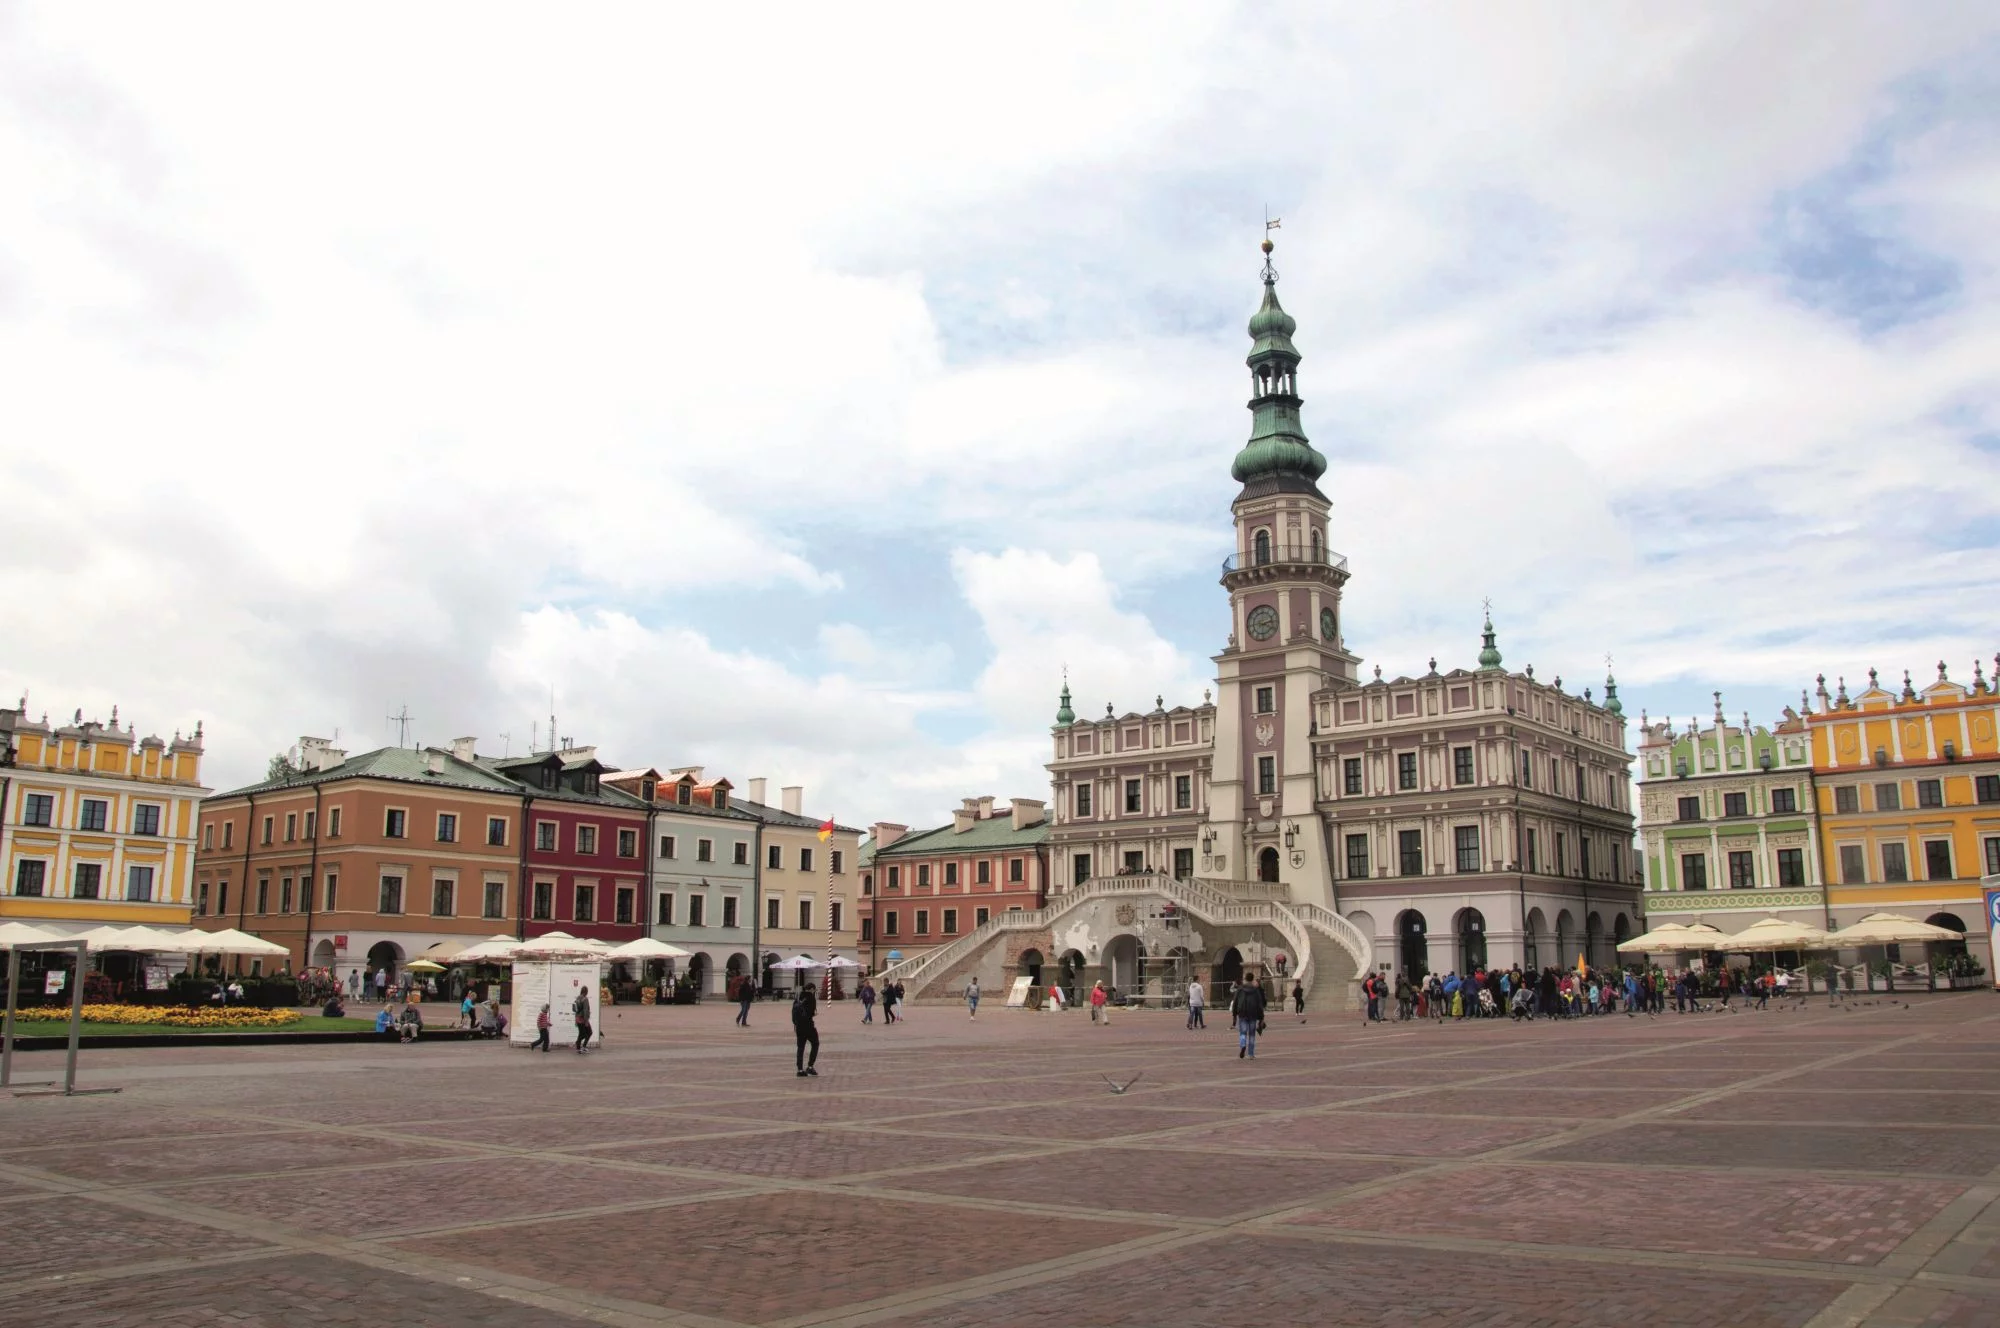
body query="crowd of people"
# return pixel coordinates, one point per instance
(1561, 993)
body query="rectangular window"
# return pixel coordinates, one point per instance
(586, 903)
(704, 850)
(312, 823)
(269, 821)
(1561, 861)
(1895, 862)
(447, 828)
(730, 904)
(146, 819)
(221, 898)
(229, 836)
(697, 908)
(923, 922)
(1135, 861)
(1406, 770)
(1183, 792)
(1688, 809)
(29, 877)
(1937, 860)
(1015, 867)
(586, 839)
(771, 913)
(774, 858)
(979, 916)
(1583, 857)
(391, 900)
(666, 847)
(291, 827)
(923, 875)
(833, 915)
(1183, 864)
(393, 822)
(442, 898)
(951, 873)
(139, 885)
(284, 894)
(805, 859)
(1993, 857)
(1555, 776)
(1853, 865)
(895, 877)
(1527, 770)
(665, 912)
(1410, 852)
(982, 872)
(1267, 700)
(1694, 872)
(1930, 793)
(97, 813)
(263, 894)
(1888, 798)
(1847, 799)
(38, 809)
(1465, 843)
(1742, 872)
(201, 900)
(1080, 868)
(496, 830)
(545, 901)
(495, 904)
(1986, 787)
(1350, 776)
(889, 924)
(628, 843)
(1131, 795)
(1784, 800)
(1267, 774)
(332, 825)
(1791, 866)
(1357, 857)
(1735, 804)
(545, 836)
(951, 922)
(1083, 799)
(89, 880)
(805, 914)
(622, 904)
(1461, 765)
(742, 858)
(867, 929)
(834, 863)
(1534, 853)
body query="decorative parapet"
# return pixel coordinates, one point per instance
(1730, 901)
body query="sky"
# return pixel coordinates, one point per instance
(799, 399)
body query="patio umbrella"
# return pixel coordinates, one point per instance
(557, 943)
(1777, 934)
(648, 948)
(442, 951)
(1891, 929)
(230, 941)
(20, 933)
(797, 962)
(1657, 941)
(423, 966)
(842, 961)
(492, 950)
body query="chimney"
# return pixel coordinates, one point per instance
(462, 748)
(792, 797)
(319, 754)
(1028, 811)
(434, 761)
(965, 817)
(986, 809)
(886, 833)
(757, 789)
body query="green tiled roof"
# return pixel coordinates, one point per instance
(979, 837)
(778, 816)
(399, 763)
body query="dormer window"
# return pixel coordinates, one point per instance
(684, 793)
(548, 777)
(722, 799)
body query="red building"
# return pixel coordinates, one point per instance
(931, 887)
(584, 850)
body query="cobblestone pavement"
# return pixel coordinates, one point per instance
(1806, 1169)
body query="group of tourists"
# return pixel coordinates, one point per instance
(1557, 993)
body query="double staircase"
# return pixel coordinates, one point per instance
(1332, 953)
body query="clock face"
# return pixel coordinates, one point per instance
(1326, 624)
(1263, 622)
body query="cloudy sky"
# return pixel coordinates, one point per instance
(796, 397)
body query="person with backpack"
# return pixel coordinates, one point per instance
(581, 1009)
(805, 1007)
(1246, 1007)
(867, 997)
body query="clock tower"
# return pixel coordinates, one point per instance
(1285, 644)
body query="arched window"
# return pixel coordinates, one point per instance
(1263, 547)
(1267, 865)
(1316, 550)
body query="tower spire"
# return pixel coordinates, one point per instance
(1489, 655)
(1277, 453)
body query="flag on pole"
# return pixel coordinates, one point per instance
(826, 830)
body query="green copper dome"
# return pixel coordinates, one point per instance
(1064, 715)
(1489, 657)
(1277, 449)
(1611, 701)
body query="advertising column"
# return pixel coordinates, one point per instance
(1992, 888)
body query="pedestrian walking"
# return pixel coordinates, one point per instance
(746, 992)
(542, 1030)
(867, 995)
(1196, 999)
(1097, 1007)
(354, 984)
(972, 998)
(1299, 999)
(1246, 1007)
(581, 1009)
(465, 1008)
(805, 1006)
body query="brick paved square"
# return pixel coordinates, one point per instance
(810, 1154)
(139, 1162)
(1952, 1153)
(769, 1256)
(1063, 1120)
(1861, 1106)
(67, 1234)
(1354, 1132)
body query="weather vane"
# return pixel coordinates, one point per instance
(1271, 223)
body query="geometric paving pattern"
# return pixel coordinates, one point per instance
(1793, 1169)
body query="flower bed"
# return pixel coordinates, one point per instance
(164, 1016)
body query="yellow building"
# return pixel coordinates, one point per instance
(97, 825)
(1908, 788)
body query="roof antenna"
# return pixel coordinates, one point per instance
(402, 722)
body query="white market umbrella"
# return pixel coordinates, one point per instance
(489, 951)
(137, 939)
(1657, 941)
(1892, 929)
(443, 952)
(557, 943)
(842, 961)
(20, 933)
(648, 948)
(1777, 934)
(797, 962)
(230, 941)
